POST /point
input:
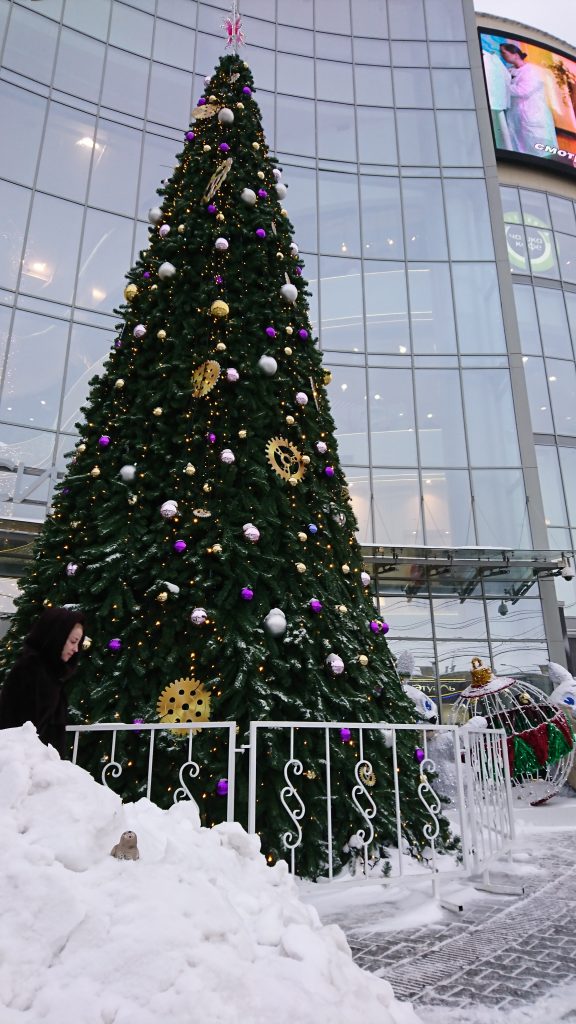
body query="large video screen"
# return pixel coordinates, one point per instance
(532, 97)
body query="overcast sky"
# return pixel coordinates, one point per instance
(555, 16)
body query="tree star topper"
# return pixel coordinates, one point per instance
(233, 26)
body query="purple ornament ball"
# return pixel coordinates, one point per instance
(222, 787)
(419, 755)
(219, 279)
(201, 101)
(262, 193)
(246, 593)
(146, 275)
(298, 271)
(303, 334)
(315, 605)
(115, 644)
(345, 735)
(385, 628)
(104, 441)
(247, 90)
(312, 528)
(375, 626)
(224, 147)
(270, 332)
(118, 343)
(137, 721)
(180, 546)
(211, 438)
(260, 233)
(190, 136)
(211, 208)
(329, 471)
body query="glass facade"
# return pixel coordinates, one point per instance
(369, 105)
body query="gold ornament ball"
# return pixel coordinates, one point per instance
(311, 774)
(206, 148)
(363, 659)
(342, 609)
(283, 213)
(153, 287)
(219, 308)
(162, 596)
(288, 351)
(86, 643)
(279, 255)
(220, 347)
(189, 469)
(213, 99)
(525, 698)
(216, 549)
(300, 567)
(306, 460)
(290, 421)
(132, 499)
(293, 481)
(327, 377)
(181, 229)
(303, 537)
(242, 434)
(219, 216)
(345, 569)
(207, 488)
(289, 330)
(157, 411)
(239, 106)
(81, 448)
(75, 524)
(161, 335)
(95, 471)
(130, 292)
(119, 383)
(256, 145)
(261, 175)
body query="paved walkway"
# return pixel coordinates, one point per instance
(501, 950)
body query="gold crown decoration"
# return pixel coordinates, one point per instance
(185, 700)
(204, 378)
(481, 674)
(207, 110)
(285, 459)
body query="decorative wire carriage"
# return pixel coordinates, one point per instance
(539, 738)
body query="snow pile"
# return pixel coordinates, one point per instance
(198, 929)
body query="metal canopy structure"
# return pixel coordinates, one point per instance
(467, 572)
(16, 545)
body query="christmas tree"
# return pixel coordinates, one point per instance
(204, 525)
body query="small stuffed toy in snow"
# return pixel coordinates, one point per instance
(564, 694)
(127, 848)
(426, 709)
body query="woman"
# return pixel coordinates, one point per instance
(529, 117)
(35, 687)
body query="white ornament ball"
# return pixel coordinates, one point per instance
(166, 270)
(221, 244)
(164, 230)
(365, 579)
(198, 616)
(226, 116)
(127, 473)
(208, 79)
(294, 249)
(275, 622)
(335, 664)
(321, 447)
(139, 331)
(227, 456)
(248, 196)
(302, 398)
(232, 375)
(171, 587)
(289, 292)
(281, 190)
(155, 215)
(71, 569)
(268, 365)
(277, 173)
(169, 509)
(251, 532)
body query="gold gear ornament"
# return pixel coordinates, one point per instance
(185, 700)
(204, 378)
(206, 110)
(218, 178)
(285, 459)
(367, 775)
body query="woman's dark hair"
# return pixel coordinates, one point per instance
(49, 634)
(512, 48)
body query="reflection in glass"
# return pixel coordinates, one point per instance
(417, 138)
(523, 621)
(157, 163)
(30, 45)
(115, 172)
(455, 619)
(566, 245)
(535, 208)
(553, 323)
(501, 508)
(342, 309)
(105, 256)
(51, 254)
(542, 252)
(568, 464)
(440, 418)
(67, 153)
(424, 229)
(338, 208)
(447, 507)
(490, 420)
(348, 404)
(511, 205)
(469, 229)
(125, 81)
(562, 386)
(89, 347)
(518, 658)
(397, 512)
(302, 207)
(386, 308)
(431, 308)
(551, 485)
(527, 320)
(392, 425)
(33, 379)
(478, 308)
(381, 218)
(538, 397)
(18, 107)
(14, 202)
(169, 99)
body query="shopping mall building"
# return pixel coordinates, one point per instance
(438, 229)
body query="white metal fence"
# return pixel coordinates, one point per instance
(463, 774)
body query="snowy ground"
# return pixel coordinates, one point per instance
(198, 929)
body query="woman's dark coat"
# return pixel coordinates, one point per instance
(35, 688)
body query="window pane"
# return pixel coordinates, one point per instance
(406, 19)
(490, 419)
(535, 208)
(33, 379)
(478, 309)
(52, 249)
(562, 386)
(542, 252)
(566, 245)
(456, 620)
(338, 207)
(336, 135)
(158, 161)
(342, 309)
(445, 19)
(538, 398)
(348, 404)
(417, 138)
(125, 82)
(431, 308)
(501, 510)
(449, 55)
(295, 40)
(90, 18)
(296, 126)
(409, 55)
(468, 218)
(523, 621)
(551, 485)
(169, 100)
(17, 108)
(30, 45)
(359, 487)
(115, 171)
(412, 87)
(447, 507)
(453, 88)
(424, 219)
(333, 79)
(295, 75)
(553, 323)
(397, 507)
(527, 320)
(105, 257)
(173, 44)
(392, 426)
(386, 308)
(79, 65)
(562, 213)
(334, 14)
(89, 347)
(381, 218)
(376, 136)
(373, 86)
(511, 204)
(131, 30)
(568, 463)
(302, 207)
(458, 139)
(372, 51)
(440, 418)
(262, 65)
(369, 18)
(67, 153)
(14, 202)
